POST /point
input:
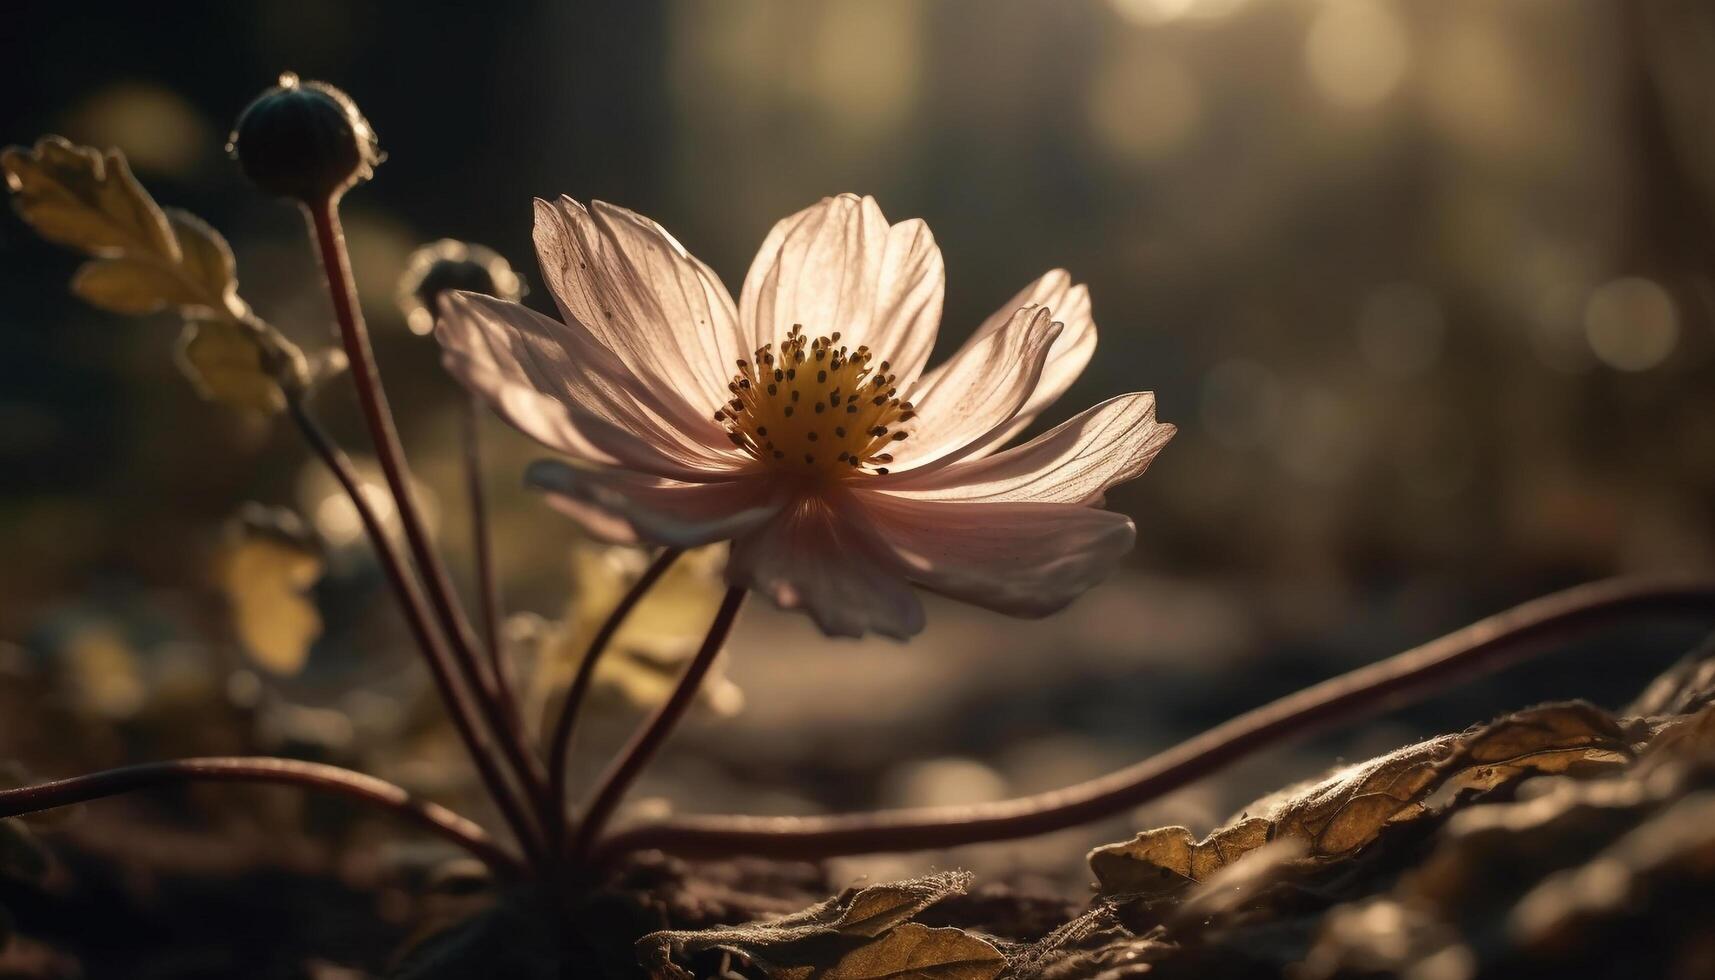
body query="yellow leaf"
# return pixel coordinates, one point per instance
(208, 264)
(77, 196)
(264, 574)
(134, 287)
(107, 680)
(224, 361)
(644, 658)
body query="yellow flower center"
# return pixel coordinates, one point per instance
(815, 409)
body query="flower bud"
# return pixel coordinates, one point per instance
(452, 265)
(304, 140)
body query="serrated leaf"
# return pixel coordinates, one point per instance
(133, 287)
(78, 196)
(265, 574)
(208, 262)
(224, 361)
(1349, 809)
(801, 945)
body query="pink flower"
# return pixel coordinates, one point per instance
(801, 425)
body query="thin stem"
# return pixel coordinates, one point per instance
(482, 545)
(432, 817)
(428, 639)
(624, 771)
(1480, 648)
(336, 264)
(560, 740)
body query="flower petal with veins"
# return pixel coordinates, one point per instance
(1020, 558)
(621, 507)
(1074, 463)
(838, 266)
(841, 471)
(817, 557)
(1071, 353)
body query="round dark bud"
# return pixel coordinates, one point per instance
(304, 140)
(448, 266)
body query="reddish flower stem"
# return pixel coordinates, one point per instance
(643, 746)
(1480, 648)
(482, 546)
(432, 817)
(429, 640)
(560, 740)
(336, 264)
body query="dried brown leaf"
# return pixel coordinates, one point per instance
(1350, 808)
(913, 952)
(806, 943)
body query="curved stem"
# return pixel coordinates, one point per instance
(482, 546)
(432, 817)
(1480, 648)
(336, 264)
(560, 740)
(624, 770)
(429, 640)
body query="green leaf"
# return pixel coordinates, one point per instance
(225, 362)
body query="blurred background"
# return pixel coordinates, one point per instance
(1426, 287)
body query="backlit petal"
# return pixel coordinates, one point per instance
(818, 556)
(554, 383)
(1074, 463)
(662, 313)
(1070, 304)
(1022, 559)
(839, 266)
(622, 507)
(980, 390)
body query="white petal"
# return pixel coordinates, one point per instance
(1070, 304)
(839, 266)
(1074, 463)
(663, 313)
(1022, 559)
(977, 392)
(622, 507)
(817, 556)
(558, 386)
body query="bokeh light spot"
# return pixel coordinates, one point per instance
(1144, 107)
(1631, 324)
(1357, 52)
(1165, 11)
